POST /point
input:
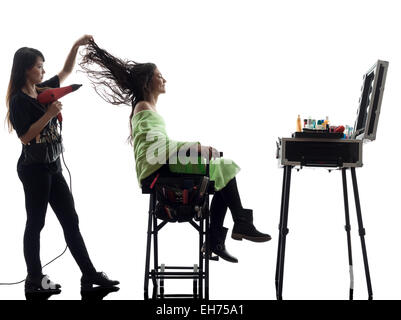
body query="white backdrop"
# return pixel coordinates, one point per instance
(238, 74)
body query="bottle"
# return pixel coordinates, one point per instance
(310, 123)
(326, 124)
(299, 125)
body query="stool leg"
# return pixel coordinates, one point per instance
(361, 233)
(200, 257)
(155, 248)
(348, 230)
(207, 256)
(283, 231)
(148, 244)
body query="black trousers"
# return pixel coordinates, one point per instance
(226, 198)
(42, 186)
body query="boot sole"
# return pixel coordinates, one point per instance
(228, 260)
(237, 236)
(225, 259)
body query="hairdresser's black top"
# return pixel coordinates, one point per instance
(24, 111)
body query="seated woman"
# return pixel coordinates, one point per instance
(139, 85)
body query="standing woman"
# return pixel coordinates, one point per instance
(39, 167)
(139, 85)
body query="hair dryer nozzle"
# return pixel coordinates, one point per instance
(76, 86)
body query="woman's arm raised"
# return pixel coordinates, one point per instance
(70, 61)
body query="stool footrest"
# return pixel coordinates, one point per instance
(177, 267)
(159, 275)
(165, 277)
(174, 296)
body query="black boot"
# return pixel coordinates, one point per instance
(99, 279)
(41, 284)
(244, 228)
(217, 246)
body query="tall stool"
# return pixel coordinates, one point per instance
(199, 272)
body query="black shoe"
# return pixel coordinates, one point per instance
(244, 228)
(97, 293)
(217, 246)
(99, 279)
(41, 284)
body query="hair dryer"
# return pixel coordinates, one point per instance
(51, 95)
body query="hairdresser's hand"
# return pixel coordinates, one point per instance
(54, 109)
(84, 40)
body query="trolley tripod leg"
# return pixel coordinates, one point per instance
(361, 233)
(348, 230)
(279, 235)
(283, 232)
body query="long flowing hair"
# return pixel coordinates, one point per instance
(117, 81)
(24, 60)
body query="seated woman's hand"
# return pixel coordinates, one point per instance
(214, 153)
(210, 152)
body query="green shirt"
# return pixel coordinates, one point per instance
(152, 148)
